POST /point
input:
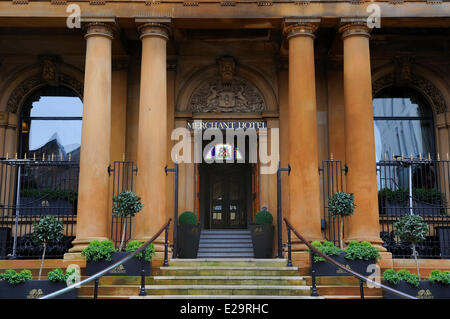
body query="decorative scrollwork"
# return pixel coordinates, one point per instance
(236, 95)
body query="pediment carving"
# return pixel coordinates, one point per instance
(236, 95)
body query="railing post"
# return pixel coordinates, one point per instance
(361, 288)
(279, 208)
(175, 209)
(96, 288)
(166, 247)
(142, 292)
(313, 276)
(289, 263)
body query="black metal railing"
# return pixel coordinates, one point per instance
(29, 190)
(415, 186)
(123, 175)
(96, 277)
(315, 251)
(332, 174)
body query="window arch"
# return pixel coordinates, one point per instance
(50, 123)
(403, 123)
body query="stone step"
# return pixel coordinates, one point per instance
(352, 297)
(248, 262)
(225, 231)
(225, 249)
(334, 280)
(228, 280)
(229, 241)
(347, 291)
(227, 290)
(222, 246)
(110, 290)
(223, 297)
(224, 254)
(228, 271)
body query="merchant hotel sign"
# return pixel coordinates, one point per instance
(223, 125)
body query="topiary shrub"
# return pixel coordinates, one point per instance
(58, 275)
(341, 204)
(263, 217)
(48, 229)
(412, 229)
(187, 218)
(127, 203)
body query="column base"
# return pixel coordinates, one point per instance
(82, 243)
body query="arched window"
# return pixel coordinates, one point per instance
(403, 124)
(51, 124)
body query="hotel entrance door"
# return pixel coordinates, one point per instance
(225, 192)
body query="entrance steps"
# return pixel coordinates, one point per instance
(343, 287)
(225, 243)
(227, 278)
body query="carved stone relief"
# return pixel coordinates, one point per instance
(235, 95)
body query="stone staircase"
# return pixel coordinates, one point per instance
(227, 278)
(225, 244)
(343, 287)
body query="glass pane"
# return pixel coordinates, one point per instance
(407, 137)
(400, 102)
(57, 106)
(53, 136)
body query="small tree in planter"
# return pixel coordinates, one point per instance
(412, 229)
(127, 203)
(188, 235)
(341, 204)
(48, 229)
(262, 234)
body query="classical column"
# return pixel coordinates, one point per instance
(93, 189)
(359, 136)
(152, 137)
(304, 191)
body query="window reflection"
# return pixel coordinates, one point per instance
(52, 125)
(403, 124)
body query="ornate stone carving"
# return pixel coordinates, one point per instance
(49, 70)
(154, 29)
(403, 67)
(35, 81)
(237, 95)
(99, 29)
(227, 66)
(352, 27)
(424, 86)
(300, 28)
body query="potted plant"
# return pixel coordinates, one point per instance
(48, 229)
(393, 202)
(428, 201)
(411, 229)
(102, 254)
(188, 237)
(19, 285)
(341, 204)
(262, 234)
(357, 256)
(127, 203)
(436, 286)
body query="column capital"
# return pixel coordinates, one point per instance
(351, 27)
(99, 28)
(154, 28)
(300, 27)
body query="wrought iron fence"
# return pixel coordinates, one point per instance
(332, 179)
(123, 175)
(30, 190)
(415, 186)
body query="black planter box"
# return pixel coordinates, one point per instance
(188, 239)
(425, 290)
(131, 267)
(262, 237)
(324, 268)
(34, 289)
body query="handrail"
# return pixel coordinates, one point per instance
(335, 263)
(120, 262)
